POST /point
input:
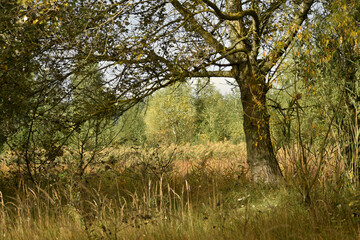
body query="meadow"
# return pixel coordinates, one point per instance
(111, 126)
(176, 192)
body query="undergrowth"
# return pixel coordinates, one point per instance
(172, 193)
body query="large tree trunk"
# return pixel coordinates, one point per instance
(260, 154)
(250, 70)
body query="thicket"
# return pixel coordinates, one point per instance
(182, 114)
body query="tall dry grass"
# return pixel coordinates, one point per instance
(174, 192)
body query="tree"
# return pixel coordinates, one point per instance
(209, 105)
(92, 134)
(129, 128)
(170, 117)
(31, 116)
(345, 55)
(219, 117)
(336, 55)
(169, 41)
(235, 117)
(16, 67)
(250, 72)
(144, 46)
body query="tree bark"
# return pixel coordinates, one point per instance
(260, 153)
(246, 25)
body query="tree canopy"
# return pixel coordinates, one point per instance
(49, 49)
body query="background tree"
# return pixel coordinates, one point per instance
(219, 117)
(129, 128)
(235, 117)
(170, 117)
(92, 134)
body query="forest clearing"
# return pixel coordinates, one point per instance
(202, 192)
(112, 127)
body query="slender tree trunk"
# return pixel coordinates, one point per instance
(260, 153)
(351, 128)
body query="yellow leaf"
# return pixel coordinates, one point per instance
(35, 21)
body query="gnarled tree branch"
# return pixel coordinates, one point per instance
(289, 36)
(234, 16)
(227, 74)
(208, 37)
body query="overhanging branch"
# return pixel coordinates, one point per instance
(289, 36)
(225, 74)
(208, 37)
(265, 17)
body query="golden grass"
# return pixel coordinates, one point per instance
(175, 192)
